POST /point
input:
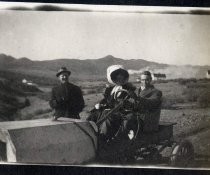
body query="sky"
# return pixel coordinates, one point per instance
(164, 38)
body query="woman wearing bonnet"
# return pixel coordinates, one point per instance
(120, 122)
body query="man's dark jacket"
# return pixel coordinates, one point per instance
(67, 100)
(148, 107)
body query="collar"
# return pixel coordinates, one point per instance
(144, 88)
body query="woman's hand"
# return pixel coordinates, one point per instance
(98, 106)
(132, 94)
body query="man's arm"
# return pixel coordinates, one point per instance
(153, 102)
(81, 102)
(53, 102)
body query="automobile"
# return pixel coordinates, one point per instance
(145, 147)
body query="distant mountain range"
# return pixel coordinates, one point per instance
(96, 68)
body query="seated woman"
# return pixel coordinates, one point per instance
(122, 120)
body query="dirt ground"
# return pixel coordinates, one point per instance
(193, 125)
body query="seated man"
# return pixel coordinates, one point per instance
(148, 103)
(120, 121)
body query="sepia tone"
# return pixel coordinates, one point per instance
(35, 44)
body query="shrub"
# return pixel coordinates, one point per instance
(168, 103)
(186, 81)
(204, 99)
(160, 81)
(27, 102)
(204, 80)
(194, 90)
(7, 112)
(17, 77)
(197, 85)
(44, 96)
(10, 88)
(28, 88)
(191, 94)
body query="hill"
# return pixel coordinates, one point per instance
(79, 68)
(13, 97)
(95, 68)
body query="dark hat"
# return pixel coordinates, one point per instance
(62, 70)
(120, 71)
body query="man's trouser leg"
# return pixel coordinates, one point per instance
(131, 122)
(110, 126)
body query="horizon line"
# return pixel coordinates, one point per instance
(100, 58)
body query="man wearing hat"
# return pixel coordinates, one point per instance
(66, 98)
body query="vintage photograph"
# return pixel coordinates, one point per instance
(105, 85)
